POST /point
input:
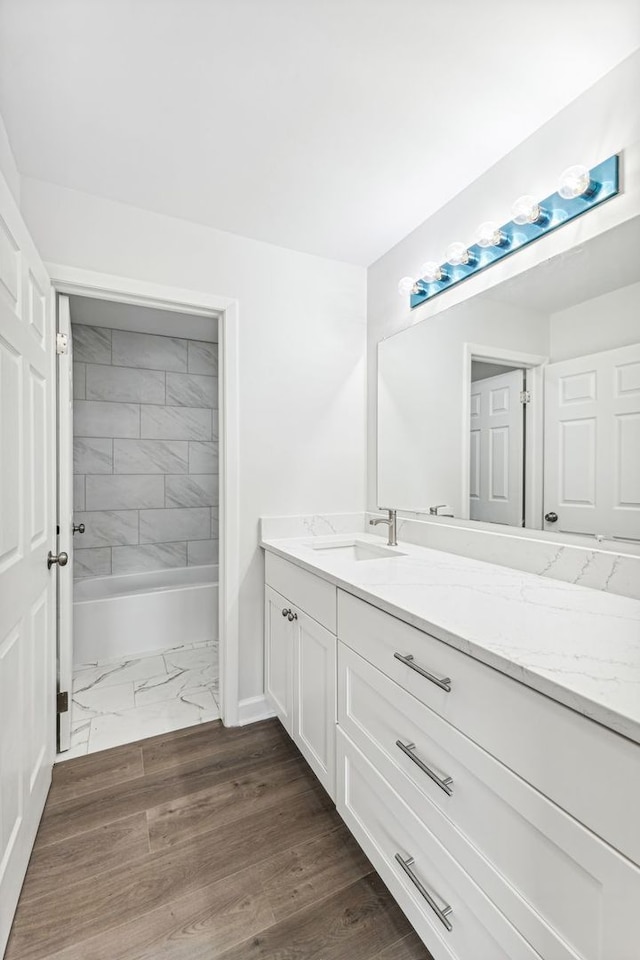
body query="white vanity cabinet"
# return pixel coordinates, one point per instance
(504, 823)
(300, 661)
(443, 748)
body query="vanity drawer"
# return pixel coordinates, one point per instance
(588, 770)
(387, 830)
(566, 891)
(315, 596)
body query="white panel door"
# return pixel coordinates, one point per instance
(27, 533)
(592, 444)
(65, 518)
(278, 636)
(314, 697)
(496, 491)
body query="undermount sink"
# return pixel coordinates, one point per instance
(357, 550)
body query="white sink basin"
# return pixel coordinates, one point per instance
(357, 550)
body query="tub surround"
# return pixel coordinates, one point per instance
(145, 451)
(578, 646)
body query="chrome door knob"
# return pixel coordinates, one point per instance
(78, 528)
(285, 612)
(551, 517)
(62, 559)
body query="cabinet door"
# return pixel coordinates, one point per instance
(314, 716)
(279, 637)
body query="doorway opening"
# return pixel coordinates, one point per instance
(502, 436)
(138, 437)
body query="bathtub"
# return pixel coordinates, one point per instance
(139, 613)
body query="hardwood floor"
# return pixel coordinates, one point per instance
(199, 844)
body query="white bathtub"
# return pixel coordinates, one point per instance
(138, 613)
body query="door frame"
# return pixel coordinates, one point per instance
(533, 442)
(75, 281)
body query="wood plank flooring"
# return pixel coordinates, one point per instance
(200, 844)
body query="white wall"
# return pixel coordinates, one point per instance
(603, 121)
(8, 167)
(302, 358)
(606, 322)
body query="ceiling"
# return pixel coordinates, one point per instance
(333, 127)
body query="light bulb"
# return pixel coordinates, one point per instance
(406, 286)
(575, 182)
(458, 254)
(432, 272)
(526, 210)
(489, 234)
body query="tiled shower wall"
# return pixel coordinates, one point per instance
(145, 451)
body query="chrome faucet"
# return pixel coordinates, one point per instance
(435, 511)
(391, 521)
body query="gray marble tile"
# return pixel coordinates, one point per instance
(106, 528)
(79, 381)
(125, 385)
(203, 357)
(95, 418)
(175, 423)
(91, 344)
(182, 523)
(203, 457)
(215, 434)
(78, 492)
(192, 390)
(196, 490)
(120, 492)
(202, 551)
(92, 562)
(150, 456)
(215, 522)
(92, 455)
(149, 351)
(151, 556)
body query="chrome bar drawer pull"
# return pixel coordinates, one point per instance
(445, 783)
(443, 682)
(442, 913)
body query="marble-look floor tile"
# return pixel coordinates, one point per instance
(123, 671)
(100, 700)
(141, 722)
(199, 663)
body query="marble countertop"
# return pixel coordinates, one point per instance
(579, 646)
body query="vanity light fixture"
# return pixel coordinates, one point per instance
(489, 234)
(432, 272)
(579, 190)
(406, 286)
(527, 210)
(576, 182)
(459, 255)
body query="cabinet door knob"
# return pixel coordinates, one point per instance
(551, 517)
(286, 612)
(292, 615)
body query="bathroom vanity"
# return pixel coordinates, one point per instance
(479, 730)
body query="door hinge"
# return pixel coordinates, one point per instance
(525, 396)
(62, 343)
(62, 702)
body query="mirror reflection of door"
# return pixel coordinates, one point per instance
(592, 425)
(496, 485)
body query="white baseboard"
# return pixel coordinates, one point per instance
(253, 709)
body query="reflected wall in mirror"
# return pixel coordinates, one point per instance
(521, 406)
